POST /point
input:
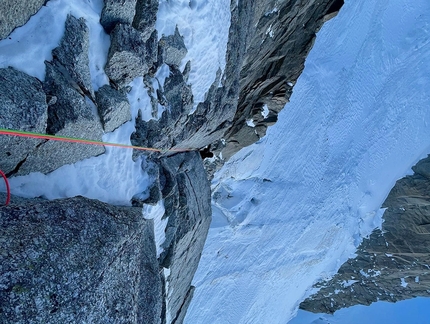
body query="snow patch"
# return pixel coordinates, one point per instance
(156, 213)
(403, 283)
(250, 123)
(265, 111)
(356, 123)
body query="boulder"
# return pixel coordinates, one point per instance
(16, 13)
(113, 107)
(23, 107)
(117, 12)
(71, 56)
(77, 260)
(146, 15)
(171, 49)
(131, 54)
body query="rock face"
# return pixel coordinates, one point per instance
(187, 202)
(113, 108)
(391, 265)
(274, 39)
(16, 13)
(23, 106)
(131, 54)
(77, 261)
(70, 113)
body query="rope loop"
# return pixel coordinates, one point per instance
(7, 187)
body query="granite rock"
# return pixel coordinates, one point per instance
(113, 107)
(171, 49)
(16, 13)
(146, 15)
(23, 107)
(71, 56)
(131, 54)
(83, 261)
(117, 12)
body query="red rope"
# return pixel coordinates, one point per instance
(7, 187)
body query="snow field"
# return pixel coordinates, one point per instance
(290, 209)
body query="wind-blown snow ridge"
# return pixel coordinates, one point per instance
(291, 209)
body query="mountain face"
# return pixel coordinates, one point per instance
(78, 260)
(393, 263)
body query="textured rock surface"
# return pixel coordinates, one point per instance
(16, 13)
(113, 107)
(117, 12)
(71, 56)
(171, 49)
(131, 54)
(391, 265)
(77, 261)
(23, 107)
(269, 41)
(186, 194)
(146, 15)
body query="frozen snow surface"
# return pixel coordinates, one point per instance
(292, 208)
(204, 24)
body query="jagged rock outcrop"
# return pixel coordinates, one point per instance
(393, 264)
(113, 107)
(171, 49)
(77, 260)
(117, 12)
(16, 13)
(180, 180)
(132, 54)
(23, 106)
(70, 110)
(278, 38)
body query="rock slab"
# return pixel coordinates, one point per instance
(77, 260)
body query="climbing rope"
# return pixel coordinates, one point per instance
(7, 187)
(81, 140)
(19, 133)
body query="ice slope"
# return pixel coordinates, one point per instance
(291, 209)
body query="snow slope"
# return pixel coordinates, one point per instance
(291, 209)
